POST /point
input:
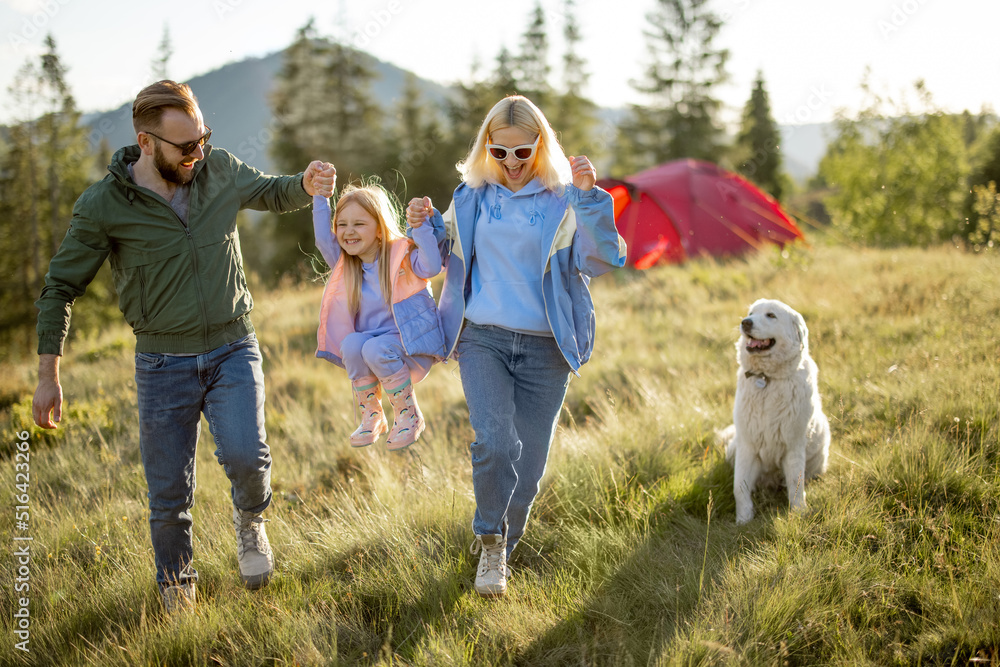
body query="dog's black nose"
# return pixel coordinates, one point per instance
(746, 324)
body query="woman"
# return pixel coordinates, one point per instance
(525, 232)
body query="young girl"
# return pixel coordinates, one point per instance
(526, 231)
(378, 319)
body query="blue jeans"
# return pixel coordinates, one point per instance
(514, 385)
(227, 385)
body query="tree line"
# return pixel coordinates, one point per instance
(891, 175)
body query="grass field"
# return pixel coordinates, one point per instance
(632, 556)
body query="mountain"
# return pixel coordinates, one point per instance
(235, 102)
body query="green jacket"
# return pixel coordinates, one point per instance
(182, 289)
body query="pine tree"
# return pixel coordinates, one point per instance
(758, 144)
(418, 162)
(42, 172)
(354, 119)
(504, 79)
(681, 119)
(324, 110)
(532, 64)
(165, 52)
(466, 110)
(576, 114)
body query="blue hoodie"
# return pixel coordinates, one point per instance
(579, 241)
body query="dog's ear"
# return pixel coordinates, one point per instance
(800, 326)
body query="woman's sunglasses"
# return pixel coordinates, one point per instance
(522, 152)
(191, 146)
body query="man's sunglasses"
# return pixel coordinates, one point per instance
(522, 152)
(191, 146)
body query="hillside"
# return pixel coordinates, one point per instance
(235, 102)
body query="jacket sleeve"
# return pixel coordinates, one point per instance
(325, 240)
(260, 192)
(446, 231)
(442, 237)
(425, 258)
(597, 248)
(71, 270)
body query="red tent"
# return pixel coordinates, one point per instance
(686, 208)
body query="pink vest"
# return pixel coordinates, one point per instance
(336, 321)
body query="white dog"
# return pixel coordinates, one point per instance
(779, 429)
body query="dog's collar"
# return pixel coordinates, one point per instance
(761, 380)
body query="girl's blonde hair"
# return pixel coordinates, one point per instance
(379, 204)
(550, 163)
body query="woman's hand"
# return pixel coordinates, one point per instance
(418, 211)
(584, 174)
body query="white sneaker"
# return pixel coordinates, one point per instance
(491, 577)
(252, 549)
(178, 598)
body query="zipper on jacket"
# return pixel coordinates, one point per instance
(194, 261)
(197, 280)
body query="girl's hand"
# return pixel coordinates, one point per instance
(584, 174)
(418, 211)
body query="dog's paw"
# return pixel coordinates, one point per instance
(744, 517)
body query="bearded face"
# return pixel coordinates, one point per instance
(172, 172)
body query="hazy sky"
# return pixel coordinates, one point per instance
(813, 53)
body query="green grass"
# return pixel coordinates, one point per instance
(632, 556)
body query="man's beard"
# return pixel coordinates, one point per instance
(171, 173)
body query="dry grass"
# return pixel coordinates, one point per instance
(632, 555)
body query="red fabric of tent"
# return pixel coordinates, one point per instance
(687, 208)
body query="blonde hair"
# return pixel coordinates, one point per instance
(550, 164)
(154, 99)
(379, 204)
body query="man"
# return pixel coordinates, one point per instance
(166, 218)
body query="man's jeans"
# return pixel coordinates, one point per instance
(514, 385)
(227, 385)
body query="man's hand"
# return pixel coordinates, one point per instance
(46, 408)
(320, 178)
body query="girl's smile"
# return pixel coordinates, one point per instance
(358, 232)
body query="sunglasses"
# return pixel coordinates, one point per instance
(191, 146)
(522, 152)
